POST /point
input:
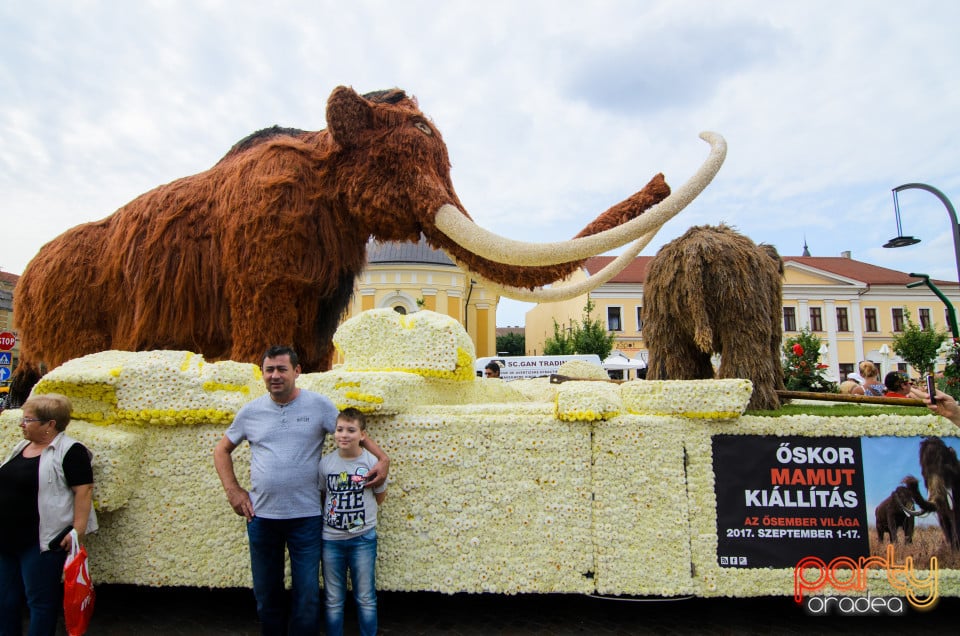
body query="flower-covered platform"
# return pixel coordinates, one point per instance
(501, 487)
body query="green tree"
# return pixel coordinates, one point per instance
(802, 370)
(561, 344)
(918, 346)
(589, 336)
(512, 344)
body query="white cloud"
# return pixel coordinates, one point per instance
(551, 111)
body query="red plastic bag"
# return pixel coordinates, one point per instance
(78, 593)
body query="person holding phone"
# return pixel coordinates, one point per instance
(46, 489)
(941, 404)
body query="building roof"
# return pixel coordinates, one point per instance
(7, 277)
(636, 272)
(393, 252)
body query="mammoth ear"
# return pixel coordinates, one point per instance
(348, 116)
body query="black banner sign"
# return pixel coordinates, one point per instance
(780, 499)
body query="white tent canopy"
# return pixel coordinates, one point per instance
(620, 362)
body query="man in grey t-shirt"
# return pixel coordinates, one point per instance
(285, 430)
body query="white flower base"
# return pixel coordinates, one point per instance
(578, 487)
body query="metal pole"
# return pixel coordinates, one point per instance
(953, 214)
(951, 313)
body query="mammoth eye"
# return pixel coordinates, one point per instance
(423, 127)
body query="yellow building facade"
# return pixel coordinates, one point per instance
(407, 277)
(855, 308)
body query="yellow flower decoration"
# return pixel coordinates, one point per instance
(425, 343)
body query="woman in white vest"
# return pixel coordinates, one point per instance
(46, 489)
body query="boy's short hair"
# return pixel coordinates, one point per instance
(354, 415)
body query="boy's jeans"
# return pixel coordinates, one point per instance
(360, 555)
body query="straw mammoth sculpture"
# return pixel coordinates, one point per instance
(264, 246)
(714, 290)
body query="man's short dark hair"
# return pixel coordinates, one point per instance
(494, 368)
(281, 350)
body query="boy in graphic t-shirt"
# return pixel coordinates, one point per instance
(349, 530)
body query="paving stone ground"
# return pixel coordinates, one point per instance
(123, 610)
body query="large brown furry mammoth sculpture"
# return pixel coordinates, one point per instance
(899, 509)
(941, 476)
(714, 290)
(264, 246)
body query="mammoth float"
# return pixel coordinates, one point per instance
(713, 290)
(264, 246)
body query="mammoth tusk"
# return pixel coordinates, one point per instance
(913, 512)
(461, 230)
(566, 292)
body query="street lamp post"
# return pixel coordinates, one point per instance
(902, 241)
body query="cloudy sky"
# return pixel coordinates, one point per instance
(552, 111)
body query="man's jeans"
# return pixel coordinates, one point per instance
(360, 555)
(38, 576)
(303, 539)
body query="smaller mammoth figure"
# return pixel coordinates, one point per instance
(941, 476)
(713, 290)
(898, 510)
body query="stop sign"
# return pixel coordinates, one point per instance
(7, 340)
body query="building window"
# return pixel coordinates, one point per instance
(816, 320)
(639, 319)
(843, 324)
(613, 319)
(924, 315)
(898, 323)
(870, 319)
(400, 309)
(789, 319)
(845, 369)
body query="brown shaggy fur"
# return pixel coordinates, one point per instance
(260, 249)
(941, 475)
(715, 290)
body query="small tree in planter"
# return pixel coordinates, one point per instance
(918, 346)
(802, 370)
